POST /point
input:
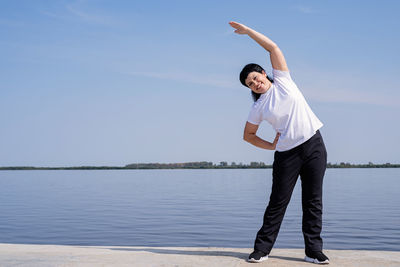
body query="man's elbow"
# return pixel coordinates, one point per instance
(247, 137)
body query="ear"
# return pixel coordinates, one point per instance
(263, 72)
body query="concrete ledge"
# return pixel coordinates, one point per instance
(55, 255)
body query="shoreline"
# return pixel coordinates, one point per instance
(56, 255)
(123, 168)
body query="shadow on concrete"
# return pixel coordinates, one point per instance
(188, 252)
(287, 258)
(233, 254)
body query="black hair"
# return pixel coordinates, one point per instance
(245, 72)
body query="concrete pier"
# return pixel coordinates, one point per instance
(57, 255)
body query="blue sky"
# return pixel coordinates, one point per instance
(118, 82)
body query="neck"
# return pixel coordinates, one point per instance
(269, 86)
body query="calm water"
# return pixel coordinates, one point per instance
(191, 208)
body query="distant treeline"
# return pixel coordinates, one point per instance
(197, 165)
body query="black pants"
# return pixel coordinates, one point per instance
(309, 161)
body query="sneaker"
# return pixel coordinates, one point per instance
(316, 257)
(257, 256)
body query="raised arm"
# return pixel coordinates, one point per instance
(276, 56)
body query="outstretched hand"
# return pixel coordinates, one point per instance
(240, 28)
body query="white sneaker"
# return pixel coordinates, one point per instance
(258, 256)
(316, 257)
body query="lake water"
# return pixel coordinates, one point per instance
(191, 208)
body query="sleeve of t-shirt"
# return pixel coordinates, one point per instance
(254, 116)
(284, 80)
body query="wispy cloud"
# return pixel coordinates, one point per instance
(80, 11)
(182, 76)
(337, 86)
(305, 9)
(350, 95)
(320, 92)
(54, 15)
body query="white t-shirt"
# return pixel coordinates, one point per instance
(285, 108)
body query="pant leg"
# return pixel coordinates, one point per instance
(286, 169)
(312, 173)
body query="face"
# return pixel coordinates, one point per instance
(258, 82)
